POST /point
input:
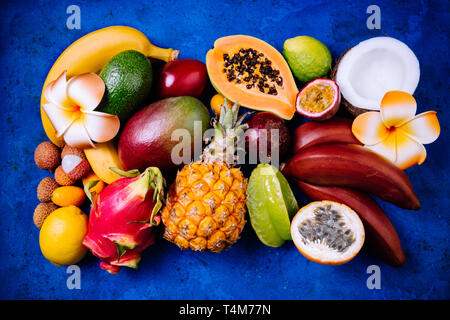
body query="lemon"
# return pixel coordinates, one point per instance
(271, 205)
(61, 236)
(307, 57)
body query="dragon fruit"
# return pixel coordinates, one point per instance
(122, 217)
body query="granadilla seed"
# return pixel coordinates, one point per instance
(326, 229)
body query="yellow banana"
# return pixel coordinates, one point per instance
(91, 52)
(103, 157)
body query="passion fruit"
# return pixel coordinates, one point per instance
(319, 99)
(267, 133)
(327, 232)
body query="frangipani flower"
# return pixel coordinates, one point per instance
(71, 110)
(396, 132)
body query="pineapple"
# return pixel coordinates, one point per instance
(205, 207)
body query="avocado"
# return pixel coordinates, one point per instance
(128, 81)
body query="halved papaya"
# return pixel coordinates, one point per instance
(251, 72)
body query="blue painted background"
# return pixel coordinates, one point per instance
(34, 33)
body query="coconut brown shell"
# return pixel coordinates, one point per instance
(353, 110)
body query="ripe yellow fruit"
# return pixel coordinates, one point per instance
(61, 236)
(205, 206)
(103, 157)
(68, 196)
(217, 101)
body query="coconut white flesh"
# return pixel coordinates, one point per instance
(375, 66)
(319, 251)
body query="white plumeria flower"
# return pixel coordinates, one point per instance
(71, 110)
(396, 132)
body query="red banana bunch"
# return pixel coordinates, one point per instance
(330, 164)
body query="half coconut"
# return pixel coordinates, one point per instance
(365, 72)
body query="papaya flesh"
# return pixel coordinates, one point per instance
(252, 73)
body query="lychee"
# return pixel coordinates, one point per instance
(74, 163)
(46, 188)
(62, 178)
(42, 211)
(47, 156)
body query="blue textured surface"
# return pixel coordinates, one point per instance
(34, 33)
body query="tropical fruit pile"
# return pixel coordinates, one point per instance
(137, 142)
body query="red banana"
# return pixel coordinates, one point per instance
(381, 234)
(334, 130)
(353, 166)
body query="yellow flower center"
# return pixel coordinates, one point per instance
(77, 112)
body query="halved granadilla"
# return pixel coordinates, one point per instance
(327, 232)
(319, 99)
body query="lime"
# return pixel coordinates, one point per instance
(271, 205)
(308, 57)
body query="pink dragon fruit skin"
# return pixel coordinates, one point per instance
(121, 220)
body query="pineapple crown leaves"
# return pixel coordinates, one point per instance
(228, 129)
(228, 118)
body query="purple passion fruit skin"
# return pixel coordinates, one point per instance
(267, 121)
(319, 99)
